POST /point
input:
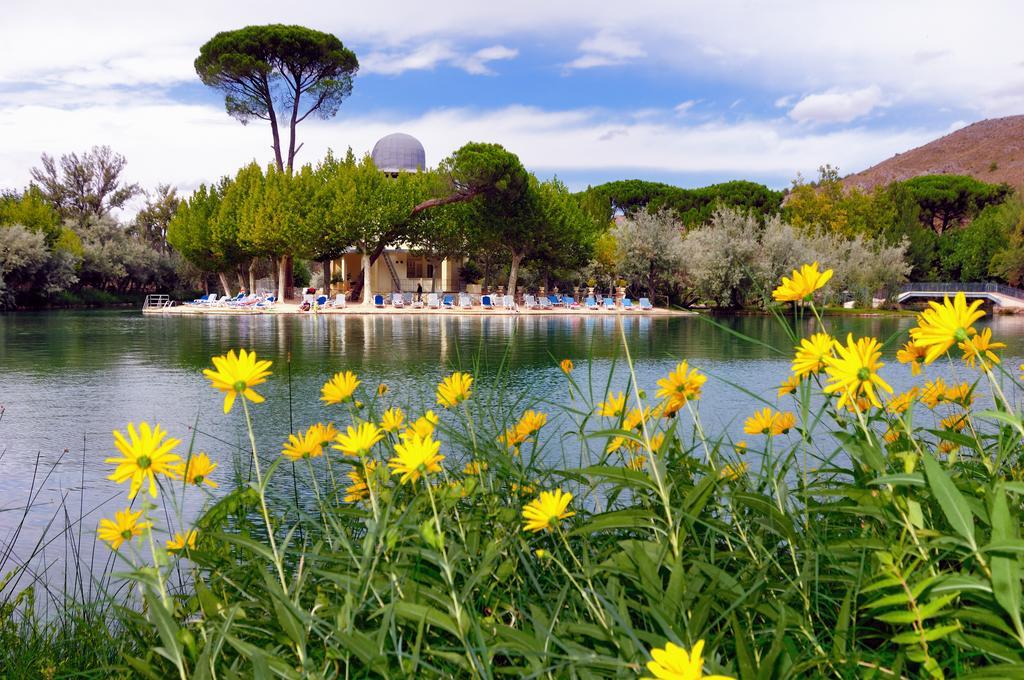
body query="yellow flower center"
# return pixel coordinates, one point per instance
(198, 479)
(240, 386)
(143, 462)
(863, 374)
(960, 334)
(126, 534)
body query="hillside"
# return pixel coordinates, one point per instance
(989, 150)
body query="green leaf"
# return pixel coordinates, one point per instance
(616, 519)
(1006, 569)
(900, 479)
(953, 505)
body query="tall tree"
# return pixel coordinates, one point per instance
(151, 222)
(190, 232)
(257, 67)
(86, 186)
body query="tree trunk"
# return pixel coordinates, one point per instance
(357, 287)
(435, 275)
(224, 283)
(282, 278)
(273, 274)
(367, 284)
(272, 115)
(287, 278)
(241, 278)
(513, 273)
(252, 275)
(326, 264)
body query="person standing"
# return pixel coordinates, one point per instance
(419, 292)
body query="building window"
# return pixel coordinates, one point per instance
(414, 267)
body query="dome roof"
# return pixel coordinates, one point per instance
(397, 152)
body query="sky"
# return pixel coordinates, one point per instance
(688, 92)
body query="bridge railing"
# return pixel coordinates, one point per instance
(950, 288)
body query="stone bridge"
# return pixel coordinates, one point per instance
(997, 294)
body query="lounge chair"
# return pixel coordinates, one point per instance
(448, 302)
(569, 302)
(321, 300)
(397, 300)
(627, 303)
(206, 299)
(378, 300)
(529, 302)
(339, 301)
(433, 302)
(555, 300)
(645, 305)
(485, 302)
(416, 302)
(508, 302)
(545, 303)
(591, 303)
(465, 302)
(407, 298)
(609, 304)
(268, 302)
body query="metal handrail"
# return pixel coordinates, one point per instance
(999, 288)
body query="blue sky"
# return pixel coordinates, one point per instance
(683, 91)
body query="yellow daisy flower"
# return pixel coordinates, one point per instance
(912, 354)
(740, 447)
(423, 426)
(178, 543)
(733, 472)
(197, 470)
(682, 384)
(474, 468)
(567, 366)
(544, 512)
(789, 386)
(237, 375)
(673, 663)
(934, 392)
(339, 388)
(392, 420)
(124, 527)
(530, 422)
(811, 354)
(962, 394)
(144, 454)
(637, 462)
(891, 436)
(454, 389)
(382, 389)
(613, 406)
(357, 441)
(657, 441)
(416, 456)
(955, 422)
(902, 401)
(326, 433)
(359, 489)
(760, 422)
(855, 371)
(805, 281)
(939, 326)
(512, 438)
(303, 446)
(948, 447)
(523, 488)
(783, 423)
(979, 348)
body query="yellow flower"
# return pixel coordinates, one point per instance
(339, 388)
(416, 456)
(359, 489)
(789, 386)
(955, 422)
(902, 401)
(783, 422)
(811, 354)
(636, 462)
(238, 375)
(357, 441)
(523, 488)
(948, 447)
(740, 446)
(474, 468)
(454, 389)
(682, 385)
(635, 419)
(890, 436)
(144, 454)
(961, 394)
(805, 281)
(124, 527)
(303, 446)
(530, 422)
(567, 366)
(512, 438)
(943, 324)
(197, 470)
(760, 422)
(392, 420)
(855, 371)
(541, 553)
(733, 472)
(673, 663)
(657, 441)
(912, 354)
(422, 427)
(979, 348)
(934, 391)
(178, 543)
(613, 406)
(545, 511)
(382, 389)
(325, 433)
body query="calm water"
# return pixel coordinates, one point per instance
(68, 378)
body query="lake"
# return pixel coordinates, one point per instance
(67, 378)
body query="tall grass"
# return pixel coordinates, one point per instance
(857, 543)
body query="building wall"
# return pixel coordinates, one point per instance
(448, 276)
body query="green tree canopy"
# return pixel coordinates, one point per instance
(84, 186)
(267, 72)
(951, 200)
(690, 206)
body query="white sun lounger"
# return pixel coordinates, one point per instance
(433, 302)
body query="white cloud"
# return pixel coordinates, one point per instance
(606, 48)
(476, 63)
(783, 102)
(684, 107)
(424, 57)
(837, 106)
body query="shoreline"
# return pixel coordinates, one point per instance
(362, 310)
